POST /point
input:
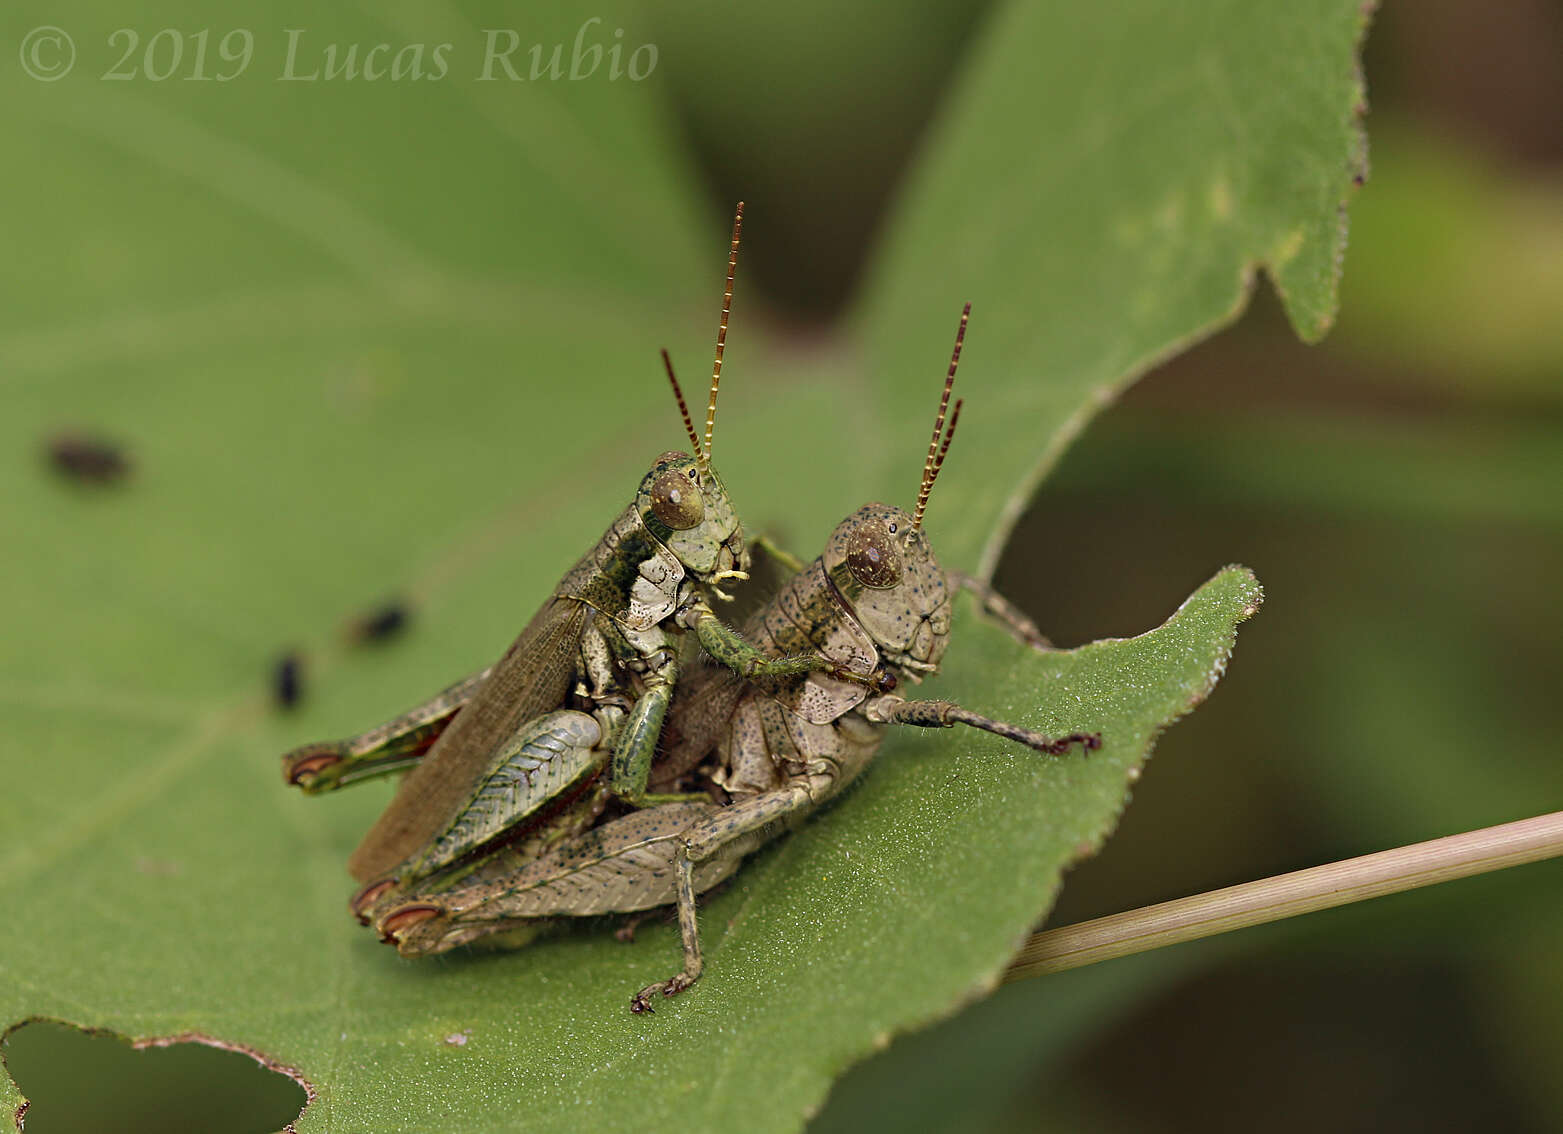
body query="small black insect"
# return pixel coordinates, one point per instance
(380, 624)
(287, 684)
(89, 459)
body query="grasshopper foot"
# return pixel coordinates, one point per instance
(1089, 741)
(641, 1001)
(879, 681)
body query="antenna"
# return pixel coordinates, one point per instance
(955, 415)
(703, 455)
(935, 459)
(683, 407)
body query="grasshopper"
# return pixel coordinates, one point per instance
(772, 747)
(583, 690)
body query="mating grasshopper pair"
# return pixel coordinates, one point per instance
(538, 789)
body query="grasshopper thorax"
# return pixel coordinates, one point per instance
(884, 570)
(688, 510)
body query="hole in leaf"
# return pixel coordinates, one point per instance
(78, 1081)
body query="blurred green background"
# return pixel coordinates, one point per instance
(1397, 489)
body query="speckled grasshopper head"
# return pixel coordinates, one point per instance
(689, 511)
(886, 571)
(880, 560)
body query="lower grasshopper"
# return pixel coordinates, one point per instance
(582, 691)
(778, 746)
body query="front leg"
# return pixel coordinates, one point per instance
(947, 714)
(635, 747)
(730, 648)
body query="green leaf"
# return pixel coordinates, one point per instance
(373, 338)
(1103, 186)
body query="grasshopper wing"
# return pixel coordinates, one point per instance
(532, 678)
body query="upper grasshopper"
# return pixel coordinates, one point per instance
(775, 747)
(523, 744)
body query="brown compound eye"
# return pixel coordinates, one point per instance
(676, 501)
(872, 557)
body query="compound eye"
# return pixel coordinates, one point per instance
(872, 557)
(677, 502)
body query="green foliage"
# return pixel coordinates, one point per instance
(364, 339)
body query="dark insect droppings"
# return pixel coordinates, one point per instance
(381, 624)
(287, 681)
(88, 459)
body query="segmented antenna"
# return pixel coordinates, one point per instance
(935, 459)
(703, 454)
(955, 415)
(683, 407)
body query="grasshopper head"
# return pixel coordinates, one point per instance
(883, 567)
(687, 508)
